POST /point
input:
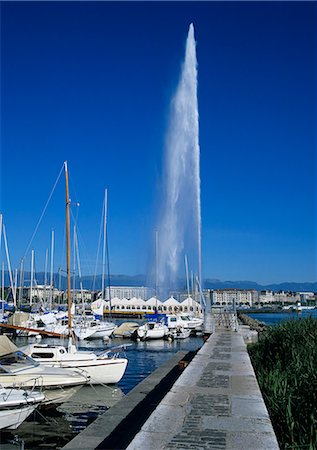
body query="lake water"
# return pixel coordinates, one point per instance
(54, 428)
(277, 317)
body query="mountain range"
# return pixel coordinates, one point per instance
(141, 280)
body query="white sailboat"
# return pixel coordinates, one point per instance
(18, 369)
(95, 328)
(101, 369)
(154, 328)
(16, 405)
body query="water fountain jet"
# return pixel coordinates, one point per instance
(179, 228)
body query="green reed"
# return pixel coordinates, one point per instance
(285, 362)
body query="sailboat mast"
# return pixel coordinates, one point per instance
(187, 281)
(0, 229)
(15, 286)
(104, 245)
(156, 267)
(2, 286)
(52, 270)
(32, 276)
(68, 250)
(21, 281)
(45, 277)
(8, 261)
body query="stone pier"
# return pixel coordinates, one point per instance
(207, 401)
(216, 403)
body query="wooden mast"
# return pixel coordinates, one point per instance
(69, 302)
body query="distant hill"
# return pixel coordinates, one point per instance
(286, 286)
(140, 280)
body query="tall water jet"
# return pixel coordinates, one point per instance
(179, 228)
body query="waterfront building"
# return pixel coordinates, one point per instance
(138, 305)
(307, 298)
(41, 293)
(128, 292)
(280, 298)
(239, 297)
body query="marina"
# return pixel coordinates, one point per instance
(116, 329)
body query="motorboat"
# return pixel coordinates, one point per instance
(151, 330)
(184, 321)
(192, 322)
(93, 329)
(180, 332)
(16, 405)
(16, 368)
(106, 368)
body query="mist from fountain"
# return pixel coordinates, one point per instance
(179, 227)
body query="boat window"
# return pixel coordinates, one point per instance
(13, 362)
(173, 319)
(42, 355)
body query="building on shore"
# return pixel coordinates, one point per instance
(153, 304)
(128, 292)
(231, 297)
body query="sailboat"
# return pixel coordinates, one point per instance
(106, 368)
(155, 328)
(18, 369)
(95, 328)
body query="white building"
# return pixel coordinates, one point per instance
(41, 293)
(129, 292)
(241, 297)
(138, 305)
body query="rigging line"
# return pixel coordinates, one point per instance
(78, 265)
(84, 251)
(43, 212)
(98, 250)
(78, 233)
(108, 268)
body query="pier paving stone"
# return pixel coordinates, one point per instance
(215, 404)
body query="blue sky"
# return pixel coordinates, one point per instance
(91, 82)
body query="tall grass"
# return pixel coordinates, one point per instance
(285, 362)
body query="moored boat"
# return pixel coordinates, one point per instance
(151, 330)
(106, 368)
(16, 405)
(16, 368)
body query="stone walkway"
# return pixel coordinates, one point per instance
(215, 404)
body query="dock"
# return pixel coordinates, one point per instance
(214, 403)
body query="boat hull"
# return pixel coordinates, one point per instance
(100, 371)
(96, 332)
(12, 419)
(45, 379)
(16, 405)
